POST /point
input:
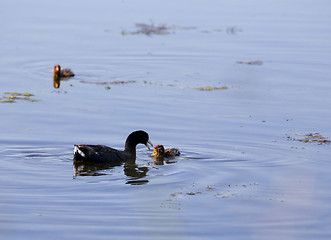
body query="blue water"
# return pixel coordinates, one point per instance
(241, 174)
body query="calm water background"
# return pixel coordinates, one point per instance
(239, 177)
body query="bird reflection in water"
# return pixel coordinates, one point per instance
(61, 74)
(134, 173)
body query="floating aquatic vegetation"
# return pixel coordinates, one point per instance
(7, 101)
(312, 138)
(233, 30)
(163, 29)
(11, 97)
(160, 84)
(149, 29)
(208, 88)
(19, 94)
(108, 83)
(178, 85)
(251, 62)
(211, 88)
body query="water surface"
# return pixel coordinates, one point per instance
(241, 175)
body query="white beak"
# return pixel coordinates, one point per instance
(149, 142)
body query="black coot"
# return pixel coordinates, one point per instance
(101, 153)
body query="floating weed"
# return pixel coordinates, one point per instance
(108, 83)
(193, 193)
(149, 29)
(314, 138)
(163, 29)
(208, 88)
(311, 138)
(19, 94)
(210, 188)
(7, 101)
(211, 88)
(233, 30)
(251, 62)
(11, 97)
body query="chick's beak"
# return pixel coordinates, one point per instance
(150, 143)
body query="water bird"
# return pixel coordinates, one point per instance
(160, 152)
(102, 153)
(62, 73)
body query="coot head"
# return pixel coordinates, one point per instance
(136, 138)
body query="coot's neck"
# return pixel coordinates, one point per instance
(133, 140)
(130, 148)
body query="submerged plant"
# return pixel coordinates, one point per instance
(251, 62)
